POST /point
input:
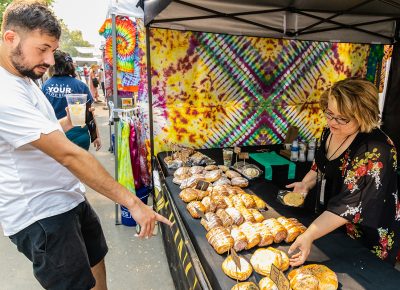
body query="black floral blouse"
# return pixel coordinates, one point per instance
(361, 186)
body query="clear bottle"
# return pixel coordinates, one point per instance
(294, 152)
(311, 150)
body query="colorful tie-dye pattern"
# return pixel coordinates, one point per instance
(217, 90)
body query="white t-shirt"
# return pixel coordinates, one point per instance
(33, 185)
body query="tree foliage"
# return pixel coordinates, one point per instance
(69, 38)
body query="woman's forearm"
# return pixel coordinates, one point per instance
(324, 224)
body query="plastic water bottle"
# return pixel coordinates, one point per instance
(294, 152)
(311, 150)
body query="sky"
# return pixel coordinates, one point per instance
(84, 15)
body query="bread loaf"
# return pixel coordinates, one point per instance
(220, 239)
(231, 270)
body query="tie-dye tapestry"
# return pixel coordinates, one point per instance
(218, 90)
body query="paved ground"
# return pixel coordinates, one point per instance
(131, 263)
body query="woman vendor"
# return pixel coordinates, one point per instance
(356, 169)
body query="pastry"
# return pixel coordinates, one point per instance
(226, 219)
(248, 216)
(191, 208)
(239, 181)
(238, 190)
(179, 179)
(240, 240)
(266, 237)
(221, 189)
(293, 199)
(267, 284)
(252, 235)
(245, 286)
(293, 231)
(211, 176)
(260, 204)
(277, 229)
(237, 201)
(248, 200)
(262, 260)
(189, 182)
(182, 171)
(237, 217)
(258, 217)
(220, 239)
(228, 201)
(213, 221)
(219, 201)
(196, 169)
(223, 168)
(251, 172)
(232, 174)
(211, 167)
(232, 270)
(222, 181)
(210, 206)
(327, 279)
(189, 194)
(298, 224)
(197, 158)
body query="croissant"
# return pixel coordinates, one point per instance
(248, 217)
(220, 239)
(285, 258)
(327, 279)
(245, 286)
(293, 231)
(240, 240)
(252, 235)
(231, 270)
(258, 217)
(277, 229)
(248, 200)
(267, 284)
(195, 204)
(262, 260)
(210, 206)
(260, 204)
(212, 221)
(188, 194)
(266, 237)
(237, 217)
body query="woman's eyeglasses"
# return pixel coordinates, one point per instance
(339, 120)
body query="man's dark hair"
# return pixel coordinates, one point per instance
(29, 16)
(64, 65)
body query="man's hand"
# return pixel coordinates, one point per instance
(97, 144)
(303, 244)
(146, 218)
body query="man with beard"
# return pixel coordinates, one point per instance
(42, 204)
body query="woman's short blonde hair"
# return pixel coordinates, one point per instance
(355, 98)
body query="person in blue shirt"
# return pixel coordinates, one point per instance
(63, 82)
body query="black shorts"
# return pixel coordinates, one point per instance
(64, 247)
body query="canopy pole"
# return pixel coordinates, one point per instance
(115, 100)
(149, 91)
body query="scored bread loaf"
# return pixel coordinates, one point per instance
(232, 270)
(267, 284)
(262, 260)
(327, 279)
(220, 239)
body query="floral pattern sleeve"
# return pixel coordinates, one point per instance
(366, 175)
